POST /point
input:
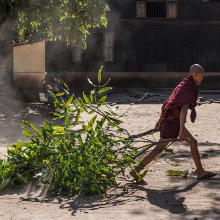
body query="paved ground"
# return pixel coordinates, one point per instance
(163, 198)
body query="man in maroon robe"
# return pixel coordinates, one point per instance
(172, 122)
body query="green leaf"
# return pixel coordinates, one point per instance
(86, 98)
(102, 100)
(92, 121)
(27, 134)
(31, 125)
(104, 89)
(170, 152)
(91, 112)
(66, 87)
(57, 114)
(67, 120)
(141, 176)
(113, 118)
(77, 118)
(92, 96)
(58, 130)
(100, 74)
(181, 173)
(54, 96)
(60, 94)
(4, 184)
(102, 122)
(22, 178)
(26, 156)
(69, 101)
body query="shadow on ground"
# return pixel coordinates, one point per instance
(171, 200)
(208, 150)
(168, 199)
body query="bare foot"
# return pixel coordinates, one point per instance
(205, 175)
(136, 178)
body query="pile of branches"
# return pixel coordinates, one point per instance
(69, 160)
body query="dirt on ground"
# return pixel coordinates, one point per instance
(163, 198)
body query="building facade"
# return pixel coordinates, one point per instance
(148, 42)
(157, 36)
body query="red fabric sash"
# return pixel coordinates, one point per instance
(186, 93)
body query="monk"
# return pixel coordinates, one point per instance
(172, 122)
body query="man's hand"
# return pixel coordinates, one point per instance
(182, 135)
(199, 103)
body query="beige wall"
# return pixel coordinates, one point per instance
(29, 64)
(29, 80)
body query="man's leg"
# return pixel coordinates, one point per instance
(201, 173)
(150, 157)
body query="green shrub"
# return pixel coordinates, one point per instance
(69, 154)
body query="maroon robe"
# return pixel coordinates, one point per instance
(186, 93)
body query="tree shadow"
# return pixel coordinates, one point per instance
(212, 214)
(204, 153)
(129, 192)
(165, 199)
(116, 197)
(85, 204)
(213, 183)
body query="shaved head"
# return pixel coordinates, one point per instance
(197, 72)
(196, 68)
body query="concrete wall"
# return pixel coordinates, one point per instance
(29, 65)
